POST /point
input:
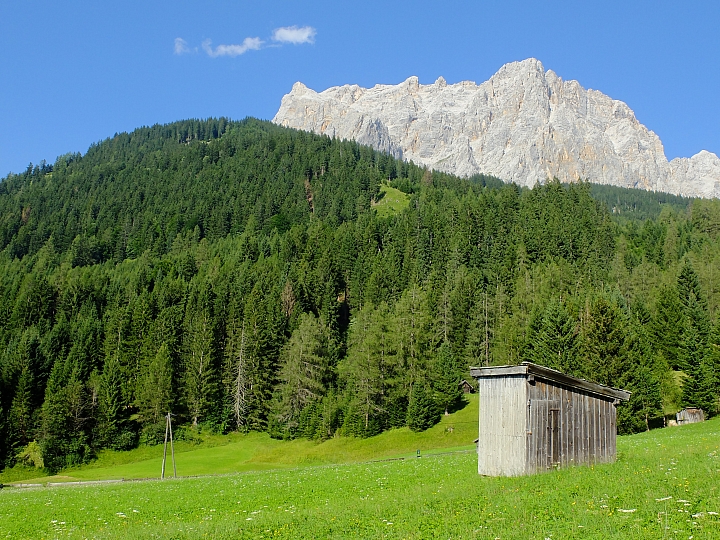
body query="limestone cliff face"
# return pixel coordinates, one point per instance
(523, 125)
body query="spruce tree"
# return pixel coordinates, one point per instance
(445, 376)
(64, 439)
(604, 326)
(642, 379)
(20, 417)
(112, 429)
(667, 325)
(423, 411)
(411, 328)
(692, 358)
(369, 371)
(693, 347)
(305, 375)
(154, 395)
(557, 340)
(199, 376)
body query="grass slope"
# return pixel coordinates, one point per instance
(392, 202)
(665, 485)
(257, 451)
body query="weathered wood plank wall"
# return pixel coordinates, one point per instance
(502, 426)
(567, 427)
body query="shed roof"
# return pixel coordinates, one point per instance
(530, 370)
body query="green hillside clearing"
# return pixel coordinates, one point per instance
(392, 202)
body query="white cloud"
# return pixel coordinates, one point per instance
(181, 46)
(248, 44)
(294, 35)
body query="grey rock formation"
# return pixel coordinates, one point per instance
(523, 125)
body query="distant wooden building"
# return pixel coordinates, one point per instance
(690, 415)
(534, 419)
(466, 387)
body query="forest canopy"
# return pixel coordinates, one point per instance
(238, 275)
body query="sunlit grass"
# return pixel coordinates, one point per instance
(257, 451)
(664, 485)
(393, 202)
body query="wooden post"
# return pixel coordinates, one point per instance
(162, 472)
(172, 446)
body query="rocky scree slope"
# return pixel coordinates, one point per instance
(524, 125)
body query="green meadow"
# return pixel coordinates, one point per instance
(214, 454)
(392, 202)
(666, 484)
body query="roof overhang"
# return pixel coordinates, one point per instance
(532, 371)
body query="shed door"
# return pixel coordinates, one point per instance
(545, 434)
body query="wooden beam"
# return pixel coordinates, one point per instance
(528, 370)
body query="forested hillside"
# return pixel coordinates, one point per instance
(238, 275)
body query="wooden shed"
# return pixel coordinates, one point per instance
(466, 387)
(690, 415)
(534, 419)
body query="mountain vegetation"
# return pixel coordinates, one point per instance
(240, 275)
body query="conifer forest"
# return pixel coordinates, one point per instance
(240, 275)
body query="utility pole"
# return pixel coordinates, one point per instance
(168, 430)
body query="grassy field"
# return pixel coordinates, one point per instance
(664, 485)
(257, 451)
(393, 201)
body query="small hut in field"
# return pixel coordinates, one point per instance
(690, 415)
(535, 419)
(466, 387)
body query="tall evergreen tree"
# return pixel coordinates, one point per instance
(64, 438)
(557, 340)
(112, 430)
(305, 374)
(154, 394)
(369, 370)
(667, 325)
(445, 376)
(423, 412)
(604, 325)
(199, 377)
(411, 329)
(642, 379)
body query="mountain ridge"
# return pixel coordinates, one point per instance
(524, 124)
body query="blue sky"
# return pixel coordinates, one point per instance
(73, 73)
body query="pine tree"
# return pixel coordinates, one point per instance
(423, 412)
(154, 394)
(445, 375)
(112, 430)
(199, 376)
(557, 340)
(603, 333)
(369, 370)
(305, 374)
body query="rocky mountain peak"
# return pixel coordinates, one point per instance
(524, 125)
